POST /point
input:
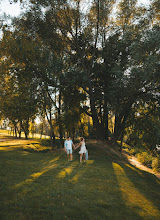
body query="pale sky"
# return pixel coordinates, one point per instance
(10, 9)
(14, 9)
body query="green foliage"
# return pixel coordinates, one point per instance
(156, 163)
(145, 130)
(145, 158)
(150, 161)
(64, 61)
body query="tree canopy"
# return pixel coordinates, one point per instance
(69, 60)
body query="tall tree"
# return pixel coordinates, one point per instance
(18, 97)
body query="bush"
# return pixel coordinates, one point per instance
(132, 151)
(129, 150)
(156, 164)
(145, 158)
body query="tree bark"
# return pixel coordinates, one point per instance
(52, 135)
(120, 121)
(59, 119)
(25, 127)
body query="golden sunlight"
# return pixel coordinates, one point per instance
(138, 171)
(132, 196)
(67, 171)
(80, 173)
(34, 176)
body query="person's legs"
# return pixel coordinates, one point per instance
(81, 158)
(84, 157)
(70, 154)
(70, 157)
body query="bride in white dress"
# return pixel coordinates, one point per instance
(82, 149)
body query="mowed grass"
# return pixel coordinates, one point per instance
(37, 185)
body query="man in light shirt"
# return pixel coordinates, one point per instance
(68, 148)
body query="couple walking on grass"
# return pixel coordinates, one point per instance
(68, 148)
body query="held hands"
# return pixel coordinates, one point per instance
(75, 147)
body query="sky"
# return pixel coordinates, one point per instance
(8, 8)
(14, 9)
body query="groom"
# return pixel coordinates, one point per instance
(68, 148)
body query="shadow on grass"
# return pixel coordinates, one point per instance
(47, 186)
(133, 196)
(146, 184)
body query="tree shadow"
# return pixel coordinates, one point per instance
(70, 190)
(146, 183)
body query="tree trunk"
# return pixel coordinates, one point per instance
(25, 127)
(60, 120)
(73, 133)
(120, 121)
(106, 123)
(15, 130)
(99, 129)
(117, 129)
(52, 135)
(19, 131)
(121, 139)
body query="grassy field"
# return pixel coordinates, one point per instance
(44, 185)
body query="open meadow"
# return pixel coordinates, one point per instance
(40, 184)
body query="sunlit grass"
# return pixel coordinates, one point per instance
(37, 185)
(135, 169)
(35, 135)
(78, 175)
(132, 196)
(34, 176)
(67, 171)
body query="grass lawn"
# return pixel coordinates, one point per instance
(44, 185)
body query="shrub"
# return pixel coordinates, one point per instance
(145, 158)
(156, 164)
(132, 151)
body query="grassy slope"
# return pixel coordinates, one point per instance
(36, 185)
